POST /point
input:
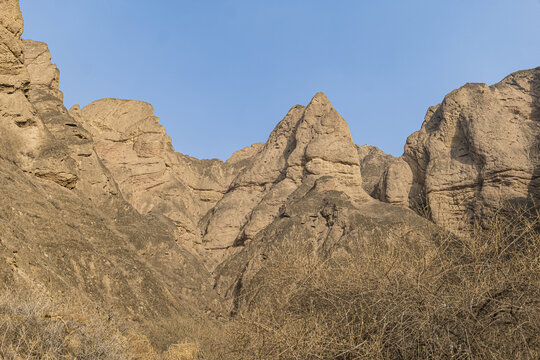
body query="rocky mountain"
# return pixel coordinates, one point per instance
(476, 151)
(64, 223)
(150, 175)
(95, 202)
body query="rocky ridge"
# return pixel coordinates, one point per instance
(65, 227)
(151, 176)
(309, 143)
(97, 204)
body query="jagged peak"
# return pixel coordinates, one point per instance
(319, 105)
(42, 71)
(320, 96)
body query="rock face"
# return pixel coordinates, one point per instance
(23, 134)
(476, 151)
(222, 204)
(150, 175)
(385, 177)
(70, 158)
(309, 143)
(64, 225)
(373, 164)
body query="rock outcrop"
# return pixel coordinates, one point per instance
(69, 157)
(152, 177)
(23, 133)
(222, 204)
(373, 163)
(64, 225)
(309, 143)
(384, 177)
(475, 152)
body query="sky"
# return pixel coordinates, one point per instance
(222, 73)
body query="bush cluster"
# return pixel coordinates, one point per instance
(475, 296)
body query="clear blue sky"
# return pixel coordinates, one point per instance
(222, 73)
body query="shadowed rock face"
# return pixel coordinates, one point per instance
(475, 152)
(325, 223)
(478, 149)
(385, 177)
(373, 164)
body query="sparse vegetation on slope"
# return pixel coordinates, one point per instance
(472, 298)
(34, 326)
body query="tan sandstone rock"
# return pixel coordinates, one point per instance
(475, 152)
(68, 156)
(373, 164)
(26, 140)
(22, 132)
(309, 143)
(64, 226)
(135, 148)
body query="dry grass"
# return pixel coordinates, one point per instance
(33, 326)
(476, 297)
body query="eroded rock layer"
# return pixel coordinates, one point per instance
(476, 152)
(154, 179)
(64, 226)
(95, 202)
(309, 143)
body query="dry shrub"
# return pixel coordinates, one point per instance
(186, 351)
(474, 297)
(140, 347)
(32, 327)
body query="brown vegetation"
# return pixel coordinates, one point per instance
(31, 327)
(476, 297)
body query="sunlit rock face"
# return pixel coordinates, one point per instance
(23, 133)
(222, 204)
(309, 143)
(65, 228)
(476, 151)
(137, 151)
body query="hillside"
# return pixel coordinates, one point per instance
(307, 246)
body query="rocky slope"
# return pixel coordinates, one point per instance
(97, 204)
(64, 224)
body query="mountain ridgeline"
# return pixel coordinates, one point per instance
(96, 204)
